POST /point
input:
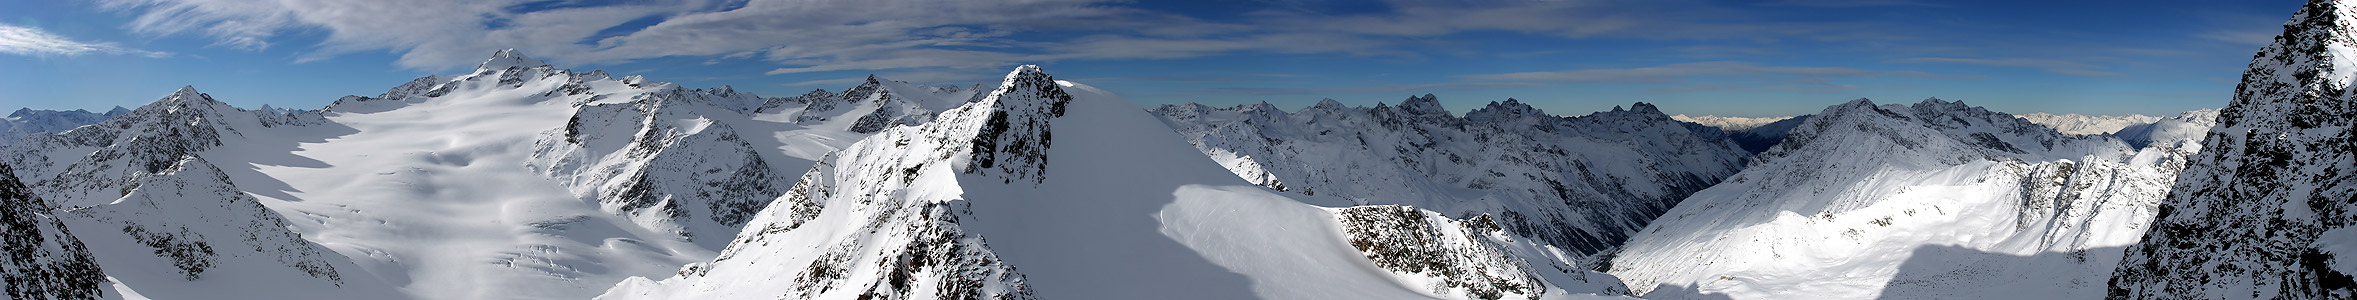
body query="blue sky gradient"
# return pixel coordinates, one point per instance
(1729, 58)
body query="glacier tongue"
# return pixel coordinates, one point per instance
(1934, 200)
(2265, 210)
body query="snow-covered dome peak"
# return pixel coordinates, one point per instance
(510, 58)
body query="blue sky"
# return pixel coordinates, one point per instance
(1730, 58)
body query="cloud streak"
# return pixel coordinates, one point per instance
(35, 42)
(805, 36)
(1673, 72)
(2050, 65)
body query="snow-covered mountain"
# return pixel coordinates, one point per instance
(1728, 123)
(2265, 211)
(1057, 190)
(522, 180)
(1581, 183)
(1935, 200)
(26, 121)
(2085, 124)
(162, 219)
(516, 181)
(2190, 125)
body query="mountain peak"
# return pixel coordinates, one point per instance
(1639, 107)
(1423, 105)
(1329, 103)
(1013, 137)
(510, 58)
(186, 91)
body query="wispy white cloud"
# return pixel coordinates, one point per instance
(1674, 72)
(35, 42)
(1731, 75)
(2055, 66)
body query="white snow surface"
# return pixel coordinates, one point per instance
(1934, 201)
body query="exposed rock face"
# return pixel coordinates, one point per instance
(2265, 211)
(1472, 259)
(1581, 183)
(43, 260)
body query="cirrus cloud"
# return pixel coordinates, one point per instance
(36, 42)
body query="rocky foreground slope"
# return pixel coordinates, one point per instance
(2265, 210)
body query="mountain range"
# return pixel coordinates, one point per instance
(523, 180)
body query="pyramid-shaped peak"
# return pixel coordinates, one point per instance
(186, 91)
(510, 58)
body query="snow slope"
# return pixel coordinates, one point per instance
(1938, 200)
(1582, 183)
(1056, 190)
(2265, 210)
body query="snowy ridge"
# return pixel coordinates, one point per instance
(982, 203)
(1581, 183)
(2085, 124)
(2264, 213)
(870, 107)
(25, 122)
(1935, 200)
(44, 261)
